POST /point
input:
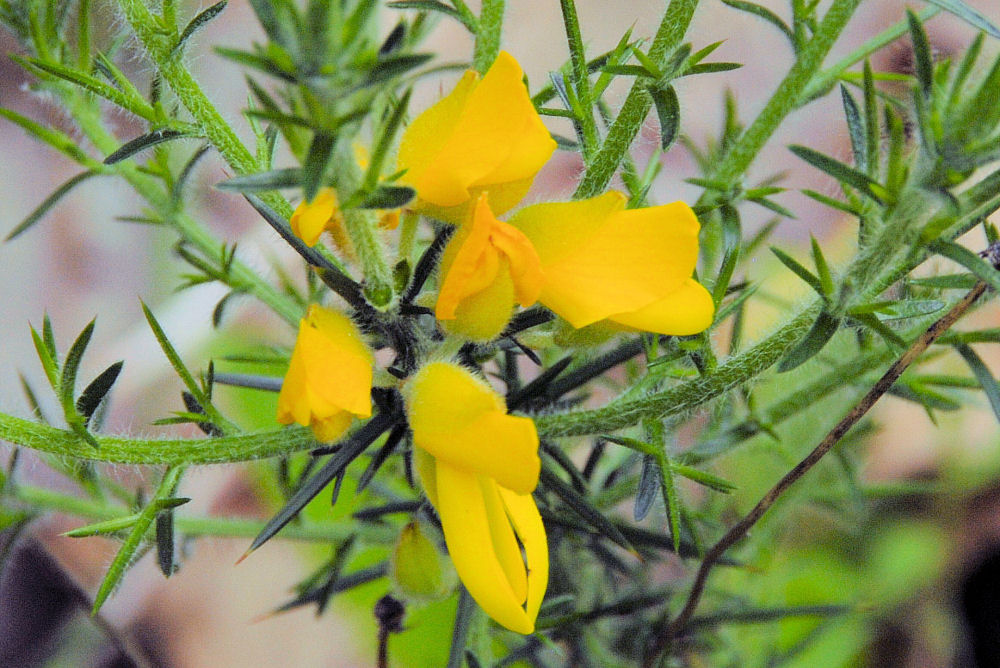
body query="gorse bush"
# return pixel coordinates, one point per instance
(449, 336)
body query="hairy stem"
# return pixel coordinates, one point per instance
(741, 528)
(244, 447)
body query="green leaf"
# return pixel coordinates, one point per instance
(584, 509)
(190, 383)
(95, 392)
(841, 172)
(67, 379)
(668, 110)
(971, 16)
(649, 485)
(898, 310)
(138, 144)
(946, 282)
(165, 542)
(873, 323)
(963, 256)
(388, 197)
(136, 105)
(273, 180)
(703, 478)
(396, 65)
(822, 268)
(814, 282)
(856, 129)
(54, 138)
(314, 166)
(102, 528)
(830, 202)
(815, 339)
(49, 202)
(196, 24)
(710, 68)
(923, 61)
(872, 129)
(385, 141)
(127, 552)
(983, 375)
(350, 449)
(764, 13)
(468, 20)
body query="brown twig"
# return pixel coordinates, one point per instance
(740, 529)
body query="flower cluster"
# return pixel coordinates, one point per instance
(470, 157)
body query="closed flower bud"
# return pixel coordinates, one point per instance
(417, 568)
(329, 377)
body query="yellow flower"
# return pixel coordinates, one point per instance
(329, 378)
(485, 136)
(632, 267)
(479, 466)
(486, 267)
(310, 219)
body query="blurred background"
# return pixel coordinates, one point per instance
(81, 262)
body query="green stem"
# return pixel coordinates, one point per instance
(174, 72)
(88, 118)
(824, 81)
(362, 228)
(581, 78)
(325, 532)
(686, 396)
(674, 24)
(488, 38)
(120, 450)
(789, 93)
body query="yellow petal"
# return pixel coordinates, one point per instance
(469, 264)
(329, 375)
(331, 428)
(505, 546)
(467, 534)
(458, 418)
(497, 137)
(426, 133)
(424, 465)
(483, 315)
(311, 218)
(630, 260)
(528, 524)
(333, 350)
(486, 265)
(687, 310)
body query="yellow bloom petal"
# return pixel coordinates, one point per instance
(687, 310)
(329, 376)
(483, 136)
(485, 267)
(459, 419)
(466, 525)
(311, 218)
(527, 523)
(601, 261)
(424, 465)
(505, 546)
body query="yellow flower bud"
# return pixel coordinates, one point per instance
(329, 377)
(485, 136)
(479, 466)
(417, 567)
